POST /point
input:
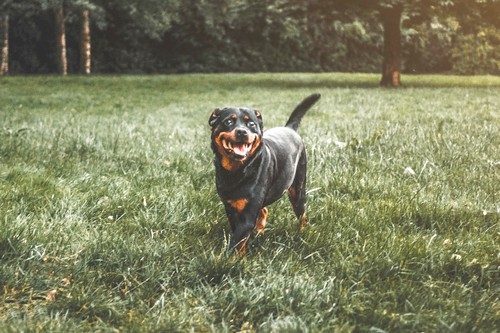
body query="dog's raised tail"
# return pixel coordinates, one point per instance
(301, 109)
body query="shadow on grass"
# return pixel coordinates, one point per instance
(196, 82)
(319, 83)
(315, 81)
(354, 82)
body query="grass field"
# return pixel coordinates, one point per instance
(110, 221)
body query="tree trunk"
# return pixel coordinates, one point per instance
(85, 43)
(4, 67)
(391, 19)
(61, 40)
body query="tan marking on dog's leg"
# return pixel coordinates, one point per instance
(260, 225)
(303, 221)
(241, 248)
(292, 194)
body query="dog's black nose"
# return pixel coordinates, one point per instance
(241, 133)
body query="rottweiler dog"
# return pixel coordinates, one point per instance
(255, 168)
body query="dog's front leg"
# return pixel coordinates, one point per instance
(240, 237)
(242, 224)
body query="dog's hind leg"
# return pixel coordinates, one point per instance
(297, 192)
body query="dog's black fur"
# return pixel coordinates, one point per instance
(255, 168)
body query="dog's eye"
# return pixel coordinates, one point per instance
(228, 122)
(251, 124)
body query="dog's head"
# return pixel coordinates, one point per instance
(236, 135)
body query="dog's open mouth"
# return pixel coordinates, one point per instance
(238, 150)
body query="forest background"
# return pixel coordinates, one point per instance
(173, 36)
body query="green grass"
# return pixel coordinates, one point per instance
(109, 218)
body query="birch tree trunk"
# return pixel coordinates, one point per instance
(391, 20)
(85, 43)
(61, 40)
(4, 67)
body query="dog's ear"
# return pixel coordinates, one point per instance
(259, 118)
(214, 117)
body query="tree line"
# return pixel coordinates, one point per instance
(174, 36)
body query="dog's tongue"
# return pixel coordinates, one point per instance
(240, 149)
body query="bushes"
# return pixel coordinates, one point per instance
(426, 47)
(477, 53)
(250, 36)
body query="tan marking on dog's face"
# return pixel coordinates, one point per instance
(227, 146)
(227, 162)
(234, 147)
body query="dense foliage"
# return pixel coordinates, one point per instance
(255, 35)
